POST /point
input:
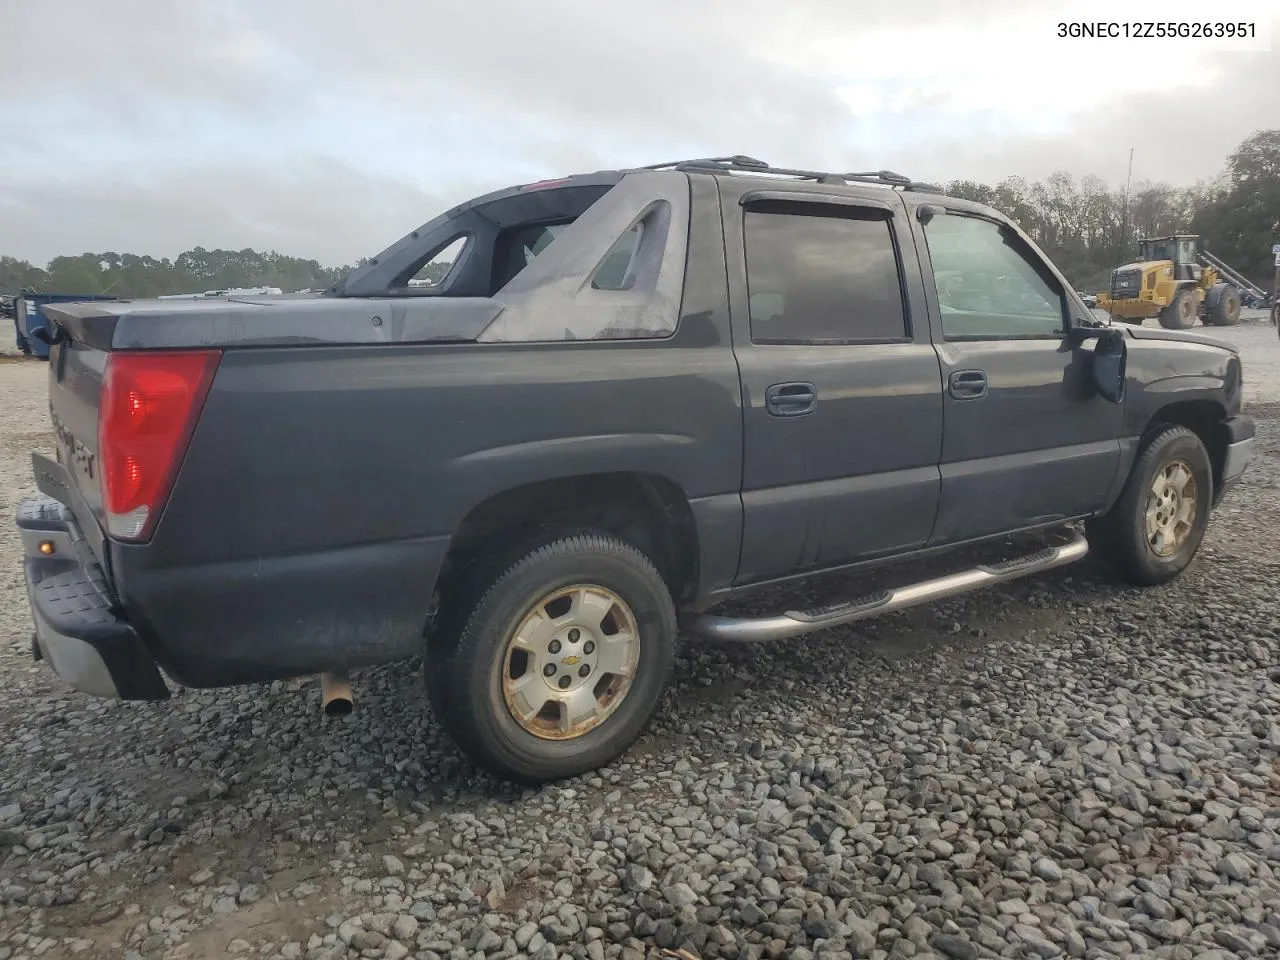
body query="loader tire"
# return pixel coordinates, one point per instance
(1180, 314)
(1226, 311)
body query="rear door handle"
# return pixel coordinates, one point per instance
(790, 399)
(968, 384)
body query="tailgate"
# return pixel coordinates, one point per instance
(75, 383)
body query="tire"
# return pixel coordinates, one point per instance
(600, 590)
(1121, 536)
(1226, 311)
(1180, 314)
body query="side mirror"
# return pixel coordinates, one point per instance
(1108, 368)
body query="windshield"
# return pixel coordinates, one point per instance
(1158, 250)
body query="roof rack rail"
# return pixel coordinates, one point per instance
(746, 164)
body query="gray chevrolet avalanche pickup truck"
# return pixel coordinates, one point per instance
(621, 399)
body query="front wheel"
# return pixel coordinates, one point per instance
(1153, 531)
(1181, 312)
(562, 662)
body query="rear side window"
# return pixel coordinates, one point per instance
(823, 274)
(617, 272)
(436, 270)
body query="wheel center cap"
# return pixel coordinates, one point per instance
(570, 660)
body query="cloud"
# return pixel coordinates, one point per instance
(314, 209)
(324, 128)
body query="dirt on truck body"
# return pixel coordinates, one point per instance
(633, 395)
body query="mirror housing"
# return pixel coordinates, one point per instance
(1108, 366)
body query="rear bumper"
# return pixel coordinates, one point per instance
(78, 632)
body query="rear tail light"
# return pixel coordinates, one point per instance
(150, 403)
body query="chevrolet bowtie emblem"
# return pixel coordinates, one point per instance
(569, 661)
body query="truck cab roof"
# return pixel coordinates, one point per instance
(492, 219)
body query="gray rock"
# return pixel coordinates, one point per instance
(680, 895)
(524, 934)
(1233, 942)
(368, 940)
(497, 894)
(555, 930)
(1156, 907)
(1101, 855)
(1047, 870)
(490, 942)
(405, 927)
(1235, 866)
(1036, 941)
(952, 945)
(862, 936)
(637, 878)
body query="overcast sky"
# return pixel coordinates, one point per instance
(151, 126)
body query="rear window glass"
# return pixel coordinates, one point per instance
(517, 248)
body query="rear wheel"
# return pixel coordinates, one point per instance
(1226, 312)
(1155, 528)
(561, 663)
(1180, 314)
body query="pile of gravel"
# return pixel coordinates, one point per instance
(1062, 768)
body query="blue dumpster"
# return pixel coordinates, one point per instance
(29, 317)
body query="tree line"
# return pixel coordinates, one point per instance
(193, 271)
(1087, 227)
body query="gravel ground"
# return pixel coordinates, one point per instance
(1064, 767)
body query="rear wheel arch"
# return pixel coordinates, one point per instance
(647, 510)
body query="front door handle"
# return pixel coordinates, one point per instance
(790, 399)
(968, 384)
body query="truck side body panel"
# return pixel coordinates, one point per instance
(317, 501)
(857, 476)
(347, 439)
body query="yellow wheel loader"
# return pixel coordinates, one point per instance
(1176, 281)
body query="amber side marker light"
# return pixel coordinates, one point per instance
(47, 548)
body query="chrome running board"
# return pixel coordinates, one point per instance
(796, 623)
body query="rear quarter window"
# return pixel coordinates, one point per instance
(615, 273)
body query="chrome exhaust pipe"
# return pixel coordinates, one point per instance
(335, 694)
